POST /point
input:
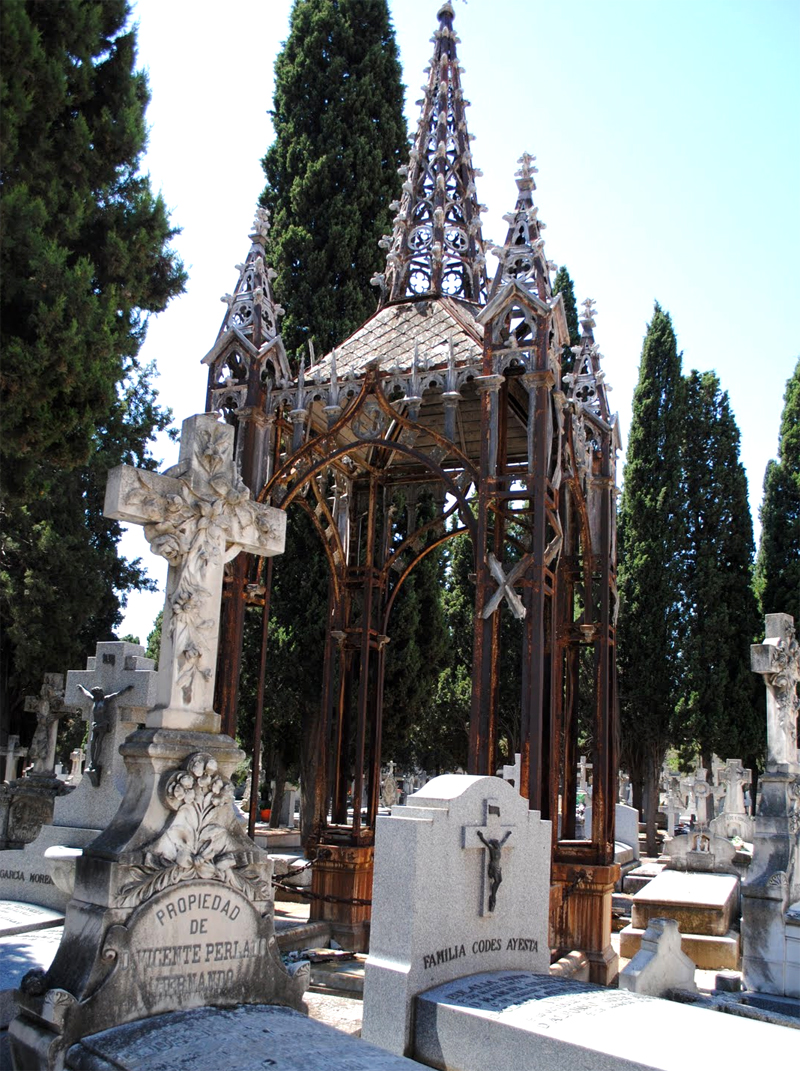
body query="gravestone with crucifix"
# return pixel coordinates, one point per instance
(173, 904)
(30, 799)
(733, 820)
(771, 893)
(462, 885)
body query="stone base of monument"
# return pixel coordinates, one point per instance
(699, 903)
(581, 909)
(245, 1038)
(172, 907)
(513, 1019)
(706, 908)
(720, 952)
(344, 872)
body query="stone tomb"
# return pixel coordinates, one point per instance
(462, 884)
(512, 1019)
(42, 872)
(706, 908)
(173, 905)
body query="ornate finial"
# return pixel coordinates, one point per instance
(436, 245)
(522, 257)
(261, 224)
(588, 314)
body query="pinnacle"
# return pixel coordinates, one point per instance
(436, 247)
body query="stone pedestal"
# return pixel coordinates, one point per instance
(344, 872)
(580, 916)
(773, 886)
(172, 907)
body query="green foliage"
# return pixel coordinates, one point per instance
(85, 243)
(85, 258)
(153, 646)
(651, 539)
(720, 709)
(332, 170)
(778, 565)
(562, 284)
(61, 581)
(417, 653)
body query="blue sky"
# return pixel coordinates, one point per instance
(668, 144)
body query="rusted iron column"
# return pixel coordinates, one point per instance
(255, 774)
(486, 654)
(536, 691)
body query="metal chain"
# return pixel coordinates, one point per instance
(328, 899)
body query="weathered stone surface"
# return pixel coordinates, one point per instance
(659, 965)
(773, 881)
(706, 952)
(445, 904)
(700, 903)
(19, 954)
(245, 1038)
(19, 917)
(507, 1019)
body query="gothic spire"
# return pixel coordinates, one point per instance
(586, 383)
(249, 330)
(522, 257)
(436, 246)
(252, 310)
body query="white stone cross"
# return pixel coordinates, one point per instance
(505, 589)
(583, 766)
(734, 777)
(198, 515)
(76, 772)
(672, 809)
(777, 659)
(491, 838)
(49, 707)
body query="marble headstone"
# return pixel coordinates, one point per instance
(462, 884)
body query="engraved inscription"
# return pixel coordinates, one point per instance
(479, 948)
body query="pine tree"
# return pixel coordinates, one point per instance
(719, 710)
(331, 172)
(778, 565)
(651, 538)
(85, 258)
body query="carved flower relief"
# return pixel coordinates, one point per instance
(195, 845)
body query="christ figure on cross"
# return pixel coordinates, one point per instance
(495, 873)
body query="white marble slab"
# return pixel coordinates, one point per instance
(18, 917)
(247, 1038)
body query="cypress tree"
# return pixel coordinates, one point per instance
(651, 538)
(562, 284)
(778, 565)
(85, 258)
(85, 250)
(719, 710)
(331, 172)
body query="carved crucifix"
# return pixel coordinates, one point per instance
(777, 659)
(198, 515)
(490, 838)
(48, 706)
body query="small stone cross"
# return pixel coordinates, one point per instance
(198, 515)
(49, 707)
(76, 771)
(491, 838)
(734, 777)
(583, 783)
(13, 753)
(505, 588)
(777, 659)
